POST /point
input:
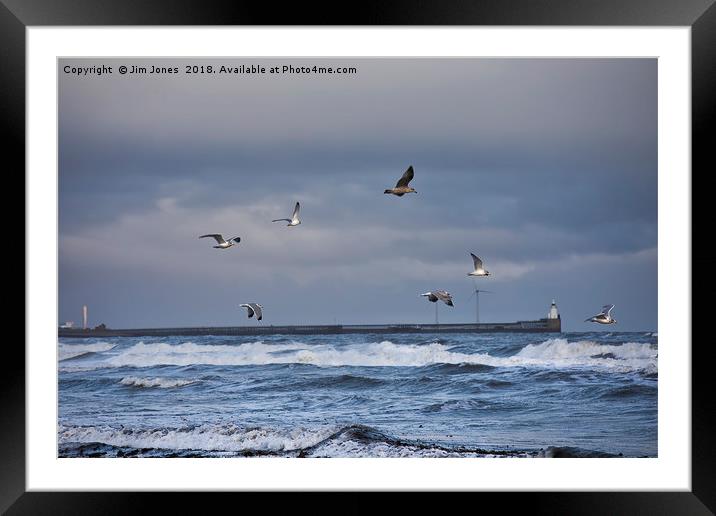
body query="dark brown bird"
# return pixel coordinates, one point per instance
(402, 187)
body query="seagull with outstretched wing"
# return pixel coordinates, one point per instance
(401, 187)
(479, 269)
(253, 308)
(439, 295)
(603, 317)
(293, 221)
(222, 244)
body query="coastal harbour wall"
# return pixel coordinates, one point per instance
(539, 326)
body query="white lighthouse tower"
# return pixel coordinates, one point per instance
(553, 313)
(84, 317)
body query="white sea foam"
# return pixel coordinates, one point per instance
(551, 353)
(162, 383)
(233, 438)
(351, 448)
(73, 350)
(562, 353)
(383, 353)
(210, 437)
(561, 349)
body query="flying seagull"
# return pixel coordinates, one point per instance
(223, 244)
(254, 308)
(603, 317)
(293, 221)
(401, 186)
(479, 269)
(442, 295)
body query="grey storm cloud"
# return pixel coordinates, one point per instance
(546, 167)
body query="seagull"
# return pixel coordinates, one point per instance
(253, 308)
(479, 270)
(223, 244)
(441, 295)
(603, 317)
(293, 221)
(401, 186)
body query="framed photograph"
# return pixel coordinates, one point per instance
(422, 251)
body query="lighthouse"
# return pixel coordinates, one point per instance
(553, 312)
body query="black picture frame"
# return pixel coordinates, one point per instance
(700, 15)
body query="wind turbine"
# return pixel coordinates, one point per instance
(476, 293)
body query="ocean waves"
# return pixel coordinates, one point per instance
(162, 383)
(206, 437)
(67, 351)
(239, 441)
(562, 353)
(553, 353)
(458, 395)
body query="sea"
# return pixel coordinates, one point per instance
(360, 395)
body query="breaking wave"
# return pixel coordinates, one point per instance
(238, 441)
(558, 353)
(67, 351)
(162, 383)
(623, 357)
(207, 437)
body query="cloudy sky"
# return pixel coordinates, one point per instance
(546, 168)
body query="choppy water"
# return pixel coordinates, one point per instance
(572, 394)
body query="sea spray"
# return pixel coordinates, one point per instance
(558, 353)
